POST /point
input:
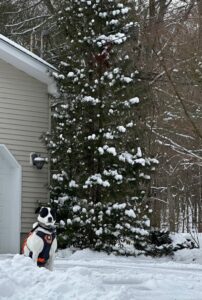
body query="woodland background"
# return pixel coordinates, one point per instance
(168, 47)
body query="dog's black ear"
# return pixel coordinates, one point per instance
(53, 212)
(38, 210)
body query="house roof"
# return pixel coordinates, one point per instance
(27, 62)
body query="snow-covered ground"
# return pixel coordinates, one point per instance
(86, 275)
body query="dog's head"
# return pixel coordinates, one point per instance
(46, 216)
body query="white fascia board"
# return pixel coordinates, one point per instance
(28, 62)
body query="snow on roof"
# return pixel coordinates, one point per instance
(27, 62)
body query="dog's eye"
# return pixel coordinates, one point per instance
(44, 212)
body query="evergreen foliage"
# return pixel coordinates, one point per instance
(100, 173)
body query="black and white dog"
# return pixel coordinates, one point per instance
(41, 244)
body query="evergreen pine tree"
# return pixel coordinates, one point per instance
(100, 172)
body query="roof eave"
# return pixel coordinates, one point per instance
(28, 64)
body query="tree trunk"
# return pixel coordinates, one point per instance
(171, 205)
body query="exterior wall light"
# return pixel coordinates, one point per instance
(37, 161)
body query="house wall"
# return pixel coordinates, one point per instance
(24, 116)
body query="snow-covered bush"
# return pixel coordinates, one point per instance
(165, 243)
(182, 241)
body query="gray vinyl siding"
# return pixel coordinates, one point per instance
(24, 116)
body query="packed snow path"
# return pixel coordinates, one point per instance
(86, 275)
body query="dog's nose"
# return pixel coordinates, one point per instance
(50, 219)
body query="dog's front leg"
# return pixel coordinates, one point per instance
(35, 256)
(35, 244)
(49, 264)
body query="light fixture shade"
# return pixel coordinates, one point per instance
(37, 161)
